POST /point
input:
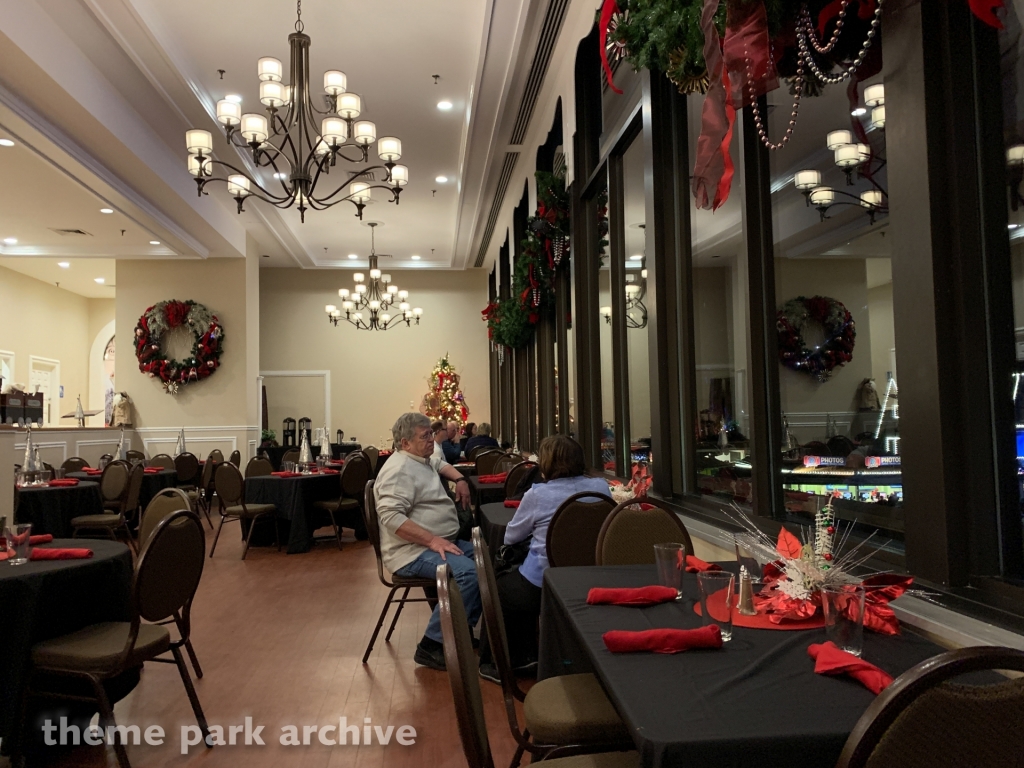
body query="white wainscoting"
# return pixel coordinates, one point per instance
(200, 440)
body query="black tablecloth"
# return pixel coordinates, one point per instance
(152, 483)
(756, 701)
(44, 599)
(50, 510)
(494, 518)
(485, 493)
(466, 470)
(294, 498)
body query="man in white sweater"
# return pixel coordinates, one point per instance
(419, 523)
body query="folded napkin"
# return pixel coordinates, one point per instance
(631, 596)
(92, 471)
(326, 471)
(696, 565)
(663, 640)
(830, 660)
(512, 503)
(152, 470)
(42, 538)
(64, 482)
(500, 478)
(286, 474)
(60, 554)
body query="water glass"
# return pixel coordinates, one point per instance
(58, 473)
(717, 600)
(19, 546)
(44, 477)
(750, 554)
(103, 462)
(670, 559)
(843, 606)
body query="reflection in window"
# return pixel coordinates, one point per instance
(108, 382)
(608, 450)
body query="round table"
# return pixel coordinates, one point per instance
(294, 498)
(494, 519)
(152, 483)
(50, 509)
(49, 598)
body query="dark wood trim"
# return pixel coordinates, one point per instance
(629, 130)
(492, 357)
(506, 428)
(617, 292)
(563, 301)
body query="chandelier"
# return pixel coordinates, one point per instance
(375, 297)
(636, 310)
(851, 157)
(297, 142)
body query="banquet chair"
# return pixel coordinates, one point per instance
(476, 451)
(629, 533)
(290, 455)
(485, 461)
(463, 676)
(924, 719)
(396, 582)
(236, 458)
(107, 457)
(231, 492)
(505, 463)
(373, 455)
(131, 456)
(258, 467)
(346, 510)
(162, 460)
(202, 496)
(165, 503)
(562, 712)
(74, 464)
(216, 455)
(516, 475)
(574, 528)
(187, 467)
(166, 579)
(114, 522)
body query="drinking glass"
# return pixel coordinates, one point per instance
(717, 600)
(752, 555)
(21, 479)
(669, 559)
(103, 462)
(44, 477)
(58, 473)
(19, 543)
(843, 606)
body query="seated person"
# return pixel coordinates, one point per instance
(467, 432)
(440, 435)
(482, 437)
(451, 446)
(419, 523)
(563, 467)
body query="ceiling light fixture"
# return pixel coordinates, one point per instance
(234, 98)
(636, 257)
(306, 153)
(377, 296)
(6, 143)
(100, 280)
(63, 264)
(859, 111)
(415, 257)
(106, 210)
(154, 242)
(441, 179)
(444, 106)
(10, 241)
(353, 256)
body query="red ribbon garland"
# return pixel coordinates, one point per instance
(986, 11)
(609, 9)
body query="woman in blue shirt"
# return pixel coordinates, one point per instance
(563, 468)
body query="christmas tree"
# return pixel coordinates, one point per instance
(445, 400)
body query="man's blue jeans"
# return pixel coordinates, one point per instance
(425, 566)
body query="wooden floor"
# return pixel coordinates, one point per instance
(280, 638)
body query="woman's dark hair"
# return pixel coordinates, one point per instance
(469, 429)
(560, 456)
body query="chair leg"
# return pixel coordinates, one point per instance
(277, 535)
(217, 536)
(380, 623)
(193, 699)
(398, 612)
(107, 718)
(188, 647)
(337, 530)
(252, 527)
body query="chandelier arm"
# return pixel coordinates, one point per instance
(352, 177)
(286, 140)
(269, 196)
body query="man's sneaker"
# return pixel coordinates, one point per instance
(490, 672)
(430, 653)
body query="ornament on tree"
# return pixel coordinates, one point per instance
(445, 400)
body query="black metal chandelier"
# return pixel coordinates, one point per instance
(289, 143)
(636, 292)
(375, 297)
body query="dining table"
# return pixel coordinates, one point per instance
(51, 508)
(485, 493)
(293, 497)
(48, 598)
(494, 518)
(152, 481)
(755, 701)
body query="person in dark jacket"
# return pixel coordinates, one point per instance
(452, 447)
(482, 437)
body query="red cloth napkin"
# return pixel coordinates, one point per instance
(501, 478)
(696, 565)
(326, 471)
(512, 503)
(64, 482)
(60, 554)
(627, 596)
(42, 538)
(663, 640)
(92, 471)
(830, 660)
(286, 474)
(152, 470)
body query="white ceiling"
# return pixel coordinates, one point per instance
(78, 277)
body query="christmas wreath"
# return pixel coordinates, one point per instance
(836, 323)
(207, 343)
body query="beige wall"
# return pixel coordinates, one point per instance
(374, 375)
(46, 321)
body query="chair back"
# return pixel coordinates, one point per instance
(228, 483)
(373, 528)
(486, 460)
(187, 466)
(575, 527)
(463, 672)
(216, 455)
(74, 464)
(135, 456)
(236, 458)
(629, 533)
(209, 468)
(170, 566)
(106, 456)
(160, 506)
(258, 467)
(114, 481)
(131, 502)
(354, 475)
(516, 475)
(924, 719)
(372, 455)
(475, 451)
(292, 454)
(506, 462)
(162, 460)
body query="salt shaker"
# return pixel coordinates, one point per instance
(746, 603)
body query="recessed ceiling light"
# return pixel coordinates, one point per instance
(63, 264)
(415, 257)
(280, 175)
(234, 97)
(1012, 226)
(106, 210)
(859, 111)
(444, 105)
(100, 280)
(353, 256)
(154, 242)
(441, 179)
(636, 257)
(6, 143)
(10, 240)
